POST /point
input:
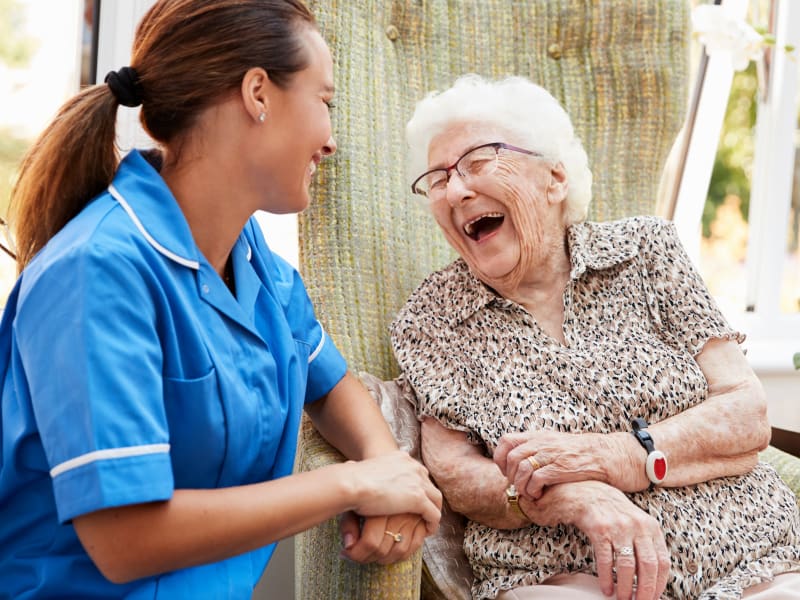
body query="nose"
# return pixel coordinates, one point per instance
(329, 147)
(457, 189)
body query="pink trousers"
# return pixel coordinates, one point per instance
(580, 586)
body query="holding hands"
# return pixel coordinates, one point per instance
(396, 507)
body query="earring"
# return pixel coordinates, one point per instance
(262, 117)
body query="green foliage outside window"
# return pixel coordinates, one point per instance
(15, 52)
(734, 160)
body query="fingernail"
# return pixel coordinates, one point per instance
(349, 540)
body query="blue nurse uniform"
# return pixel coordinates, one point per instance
(130, 370)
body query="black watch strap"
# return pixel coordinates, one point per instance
(656, 463)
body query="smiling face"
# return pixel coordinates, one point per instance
(297, 129)
(500, 223)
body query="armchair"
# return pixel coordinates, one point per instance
(620, 68)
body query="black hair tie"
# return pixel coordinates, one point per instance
(125, 86)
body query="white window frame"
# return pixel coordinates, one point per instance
(773, 337)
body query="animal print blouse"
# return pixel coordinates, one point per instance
(635, 314)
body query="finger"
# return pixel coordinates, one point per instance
(367, 548)
(604, 562)
(432, 509)
(537, 479)
(400, 549)
(647, 567)
(625, 563)
(349, 528)
(518, 458)
(504, 446)
(663, 565)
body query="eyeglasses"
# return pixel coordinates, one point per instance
(479, 161)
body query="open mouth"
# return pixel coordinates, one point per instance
(482, 226)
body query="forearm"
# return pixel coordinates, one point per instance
(475, 487)
(351, 421)
(470, 482)
(718, 437)
(201, 526)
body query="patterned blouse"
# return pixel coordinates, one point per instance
(635, 314)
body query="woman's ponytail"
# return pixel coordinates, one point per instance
(71, 162)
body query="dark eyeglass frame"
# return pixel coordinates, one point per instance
(454, 167)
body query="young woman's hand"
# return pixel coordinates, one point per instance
(394, 483)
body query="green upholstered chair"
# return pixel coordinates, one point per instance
(620, 68)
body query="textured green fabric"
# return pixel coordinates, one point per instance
(788, 467)
(620, 69)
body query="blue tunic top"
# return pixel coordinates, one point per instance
(129, 370)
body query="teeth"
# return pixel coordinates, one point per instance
(468, 227)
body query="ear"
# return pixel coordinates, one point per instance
(255, 88)
(559, 186)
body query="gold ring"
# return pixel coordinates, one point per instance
(534, 463)
(397, 537)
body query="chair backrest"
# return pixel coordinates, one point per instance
(618, 67)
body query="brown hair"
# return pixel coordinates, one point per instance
(188, 54)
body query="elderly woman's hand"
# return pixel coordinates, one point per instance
(538, 458)
(626, 540)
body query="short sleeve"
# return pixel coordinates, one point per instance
(441, 391)
(89, 350)
(683, 307)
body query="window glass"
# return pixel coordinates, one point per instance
(723, 245)
(46, 51)
(790, 277)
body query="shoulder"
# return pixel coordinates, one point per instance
(437, 300)
(600, 245)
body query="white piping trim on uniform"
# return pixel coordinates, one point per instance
(318, 349)
(186, 262)
(91, 457)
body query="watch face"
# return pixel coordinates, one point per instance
(656, 466)
(511, 492)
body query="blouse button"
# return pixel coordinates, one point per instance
(206, 289)
(554, 51)
(616, 410)
(392, 32)
(692, 567)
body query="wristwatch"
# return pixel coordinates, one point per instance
(512, 495)
(656, 465)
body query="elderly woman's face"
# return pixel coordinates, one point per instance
(496, 219)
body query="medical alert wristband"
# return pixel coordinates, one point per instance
(656, 465)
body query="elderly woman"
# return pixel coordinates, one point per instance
(584, 402)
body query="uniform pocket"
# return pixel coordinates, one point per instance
(197, 429)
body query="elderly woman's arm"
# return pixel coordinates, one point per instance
(719, 437)
(475, 487)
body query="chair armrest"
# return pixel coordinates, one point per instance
(320, 571)
(787, 466)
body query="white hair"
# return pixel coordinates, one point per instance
(517, 105)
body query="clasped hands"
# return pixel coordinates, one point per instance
(579, 479)
(382, 539)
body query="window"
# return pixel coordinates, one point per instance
(47, 51)
(741, 220)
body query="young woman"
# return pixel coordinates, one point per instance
(156, 355)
